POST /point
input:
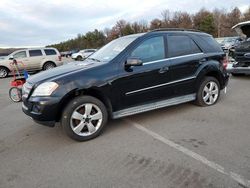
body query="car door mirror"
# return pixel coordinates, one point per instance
(133, 61)
(11, 57)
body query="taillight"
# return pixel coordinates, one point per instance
(60, 58)
(225, 62)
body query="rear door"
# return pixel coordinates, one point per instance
(186, 57)
(35, 58)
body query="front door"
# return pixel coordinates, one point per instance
(149, 82)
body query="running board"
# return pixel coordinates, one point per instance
(153, 106)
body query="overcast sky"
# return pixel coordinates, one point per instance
(39, 23)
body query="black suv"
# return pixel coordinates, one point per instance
(129, 75)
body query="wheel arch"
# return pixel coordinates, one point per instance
(80, 92)
(5, 67)
(209, 71)
(48, 61)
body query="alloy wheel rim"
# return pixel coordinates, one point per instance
(49, 67)
(210, 93)
(86, 119)
(3, 73)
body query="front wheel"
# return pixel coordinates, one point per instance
(208, 92)
(15, 94)
(84, 118)
(3, 72)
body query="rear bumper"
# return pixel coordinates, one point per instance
(239, 70)
(42, 110)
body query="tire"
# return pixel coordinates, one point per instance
(208, 92)
(4, 72)
(15, 94)
(49, 65)
(77, 118)
(79, 58)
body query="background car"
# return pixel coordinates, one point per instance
(242, 51)
(83, 54)
(33, 59)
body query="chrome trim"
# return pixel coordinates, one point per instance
(160, 85)
(171, 58)
(24, 107)
(153, 106)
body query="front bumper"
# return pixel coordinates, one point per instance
(43, 110)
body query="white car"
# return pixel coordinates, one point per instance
(83, 54)
(32, 59)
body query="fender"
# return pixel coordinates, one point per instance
(209, 68)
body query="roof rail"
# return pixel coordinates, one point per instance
(175, 29)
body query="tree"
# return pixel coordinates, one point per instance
(204, 21)
(155, 24)
(246, 15)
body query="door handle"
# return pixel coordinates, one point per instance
(247, 55)
(163, 70)
(201, 61)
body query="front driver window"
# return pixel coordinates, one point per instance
(150, 50)
(21, 54)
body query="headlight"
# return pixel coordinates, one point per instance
(45, 89)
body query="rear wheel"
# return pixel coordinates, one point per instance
(84, 118)
(3, 72)
(208, 92)
(49, 65)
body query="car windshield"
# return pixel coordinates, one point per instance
(112, 49)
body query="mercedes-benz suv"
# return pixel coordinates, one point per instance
(129, 75)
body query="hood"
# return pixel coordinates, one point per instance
(66, 69)
(243, 29)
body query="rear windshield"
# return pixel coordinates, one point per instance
(50, 52)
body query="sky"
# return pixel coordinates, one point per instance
(25, 23)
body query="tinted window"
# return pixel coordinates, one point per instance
(35, 53)
(21, 54)
(207, 43)
(181, 45)
(50, 52)
(150, 50)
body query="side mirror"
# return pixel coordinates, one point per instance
(133, 61)
(11, 57)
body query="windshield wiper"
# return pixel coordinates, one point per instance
(94, 59)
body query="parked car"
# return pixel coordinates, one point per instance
(130, 75)
(242, 51)
(229, 43)
(33, 59)
(83, 54)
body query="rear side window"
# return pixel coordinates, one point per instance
(50, 52)
(181, 45)
(150, 50)
(207, 43)
(34, 53)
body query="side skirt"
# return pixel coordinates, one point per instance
(153, 106)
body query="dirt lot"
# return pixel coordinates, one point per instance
(181, 146)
